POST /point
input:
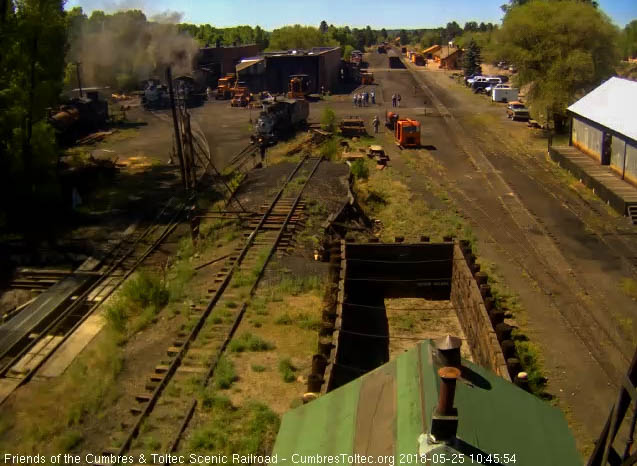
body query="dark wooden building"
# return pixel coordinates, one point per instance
(271, 71)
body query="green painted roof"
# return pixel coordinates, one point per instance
(381, 413)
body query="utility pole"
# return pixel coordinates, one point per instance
(180, 153)
(79, 77)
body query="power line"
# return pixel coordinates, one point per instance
(427, 261)
(381, 308)
(387, 337)
(423, 279)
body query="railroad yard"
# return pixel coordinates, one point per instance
(167, 320)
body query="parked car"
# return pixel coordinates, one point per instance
(479, 84)
(517, 111)
(503, 78)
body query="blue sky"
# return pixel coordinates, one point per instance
(390, 14)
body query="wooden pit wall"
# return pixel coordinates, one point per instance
(332, 339)
(469, 302)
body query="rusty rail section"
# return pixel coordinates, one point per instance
(150, 401)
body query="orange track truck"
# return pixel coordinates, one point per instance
(407, 133)
(367, 77)
(224, 86)
(240, 95)
(390, 120)
(299, 86)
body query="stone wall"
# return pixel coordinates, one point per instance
(474, 318)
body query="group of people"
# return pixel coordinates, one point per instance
(395, 100)
(362, 99)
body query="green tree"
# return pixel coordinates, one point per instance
(261, 38)
(383, 33)
(323, 27)
(347, 52)
(298, 37)
(561, 49)
(404, 37)
(629, 40)
(472, 59)
(32, 33)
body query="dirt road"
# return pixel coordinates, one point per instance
(560, 249)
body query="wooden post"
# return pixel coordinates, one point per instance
(180, 154)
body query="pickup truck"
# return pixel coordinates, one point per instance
(517, 111)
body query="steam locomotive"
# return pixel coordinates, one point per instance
(278, 118)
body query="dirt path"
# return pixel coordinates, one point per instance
(541, 234)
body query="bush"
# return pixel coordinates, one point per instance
(225, 374)
(249, 342)
(329, 149)
(359, 170)
(287, 370)
(146, 290)
(328, 119)
(116, 316)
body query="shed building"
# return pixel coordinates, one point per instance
(394, 412)
(215, 62)
(604, 126)
(448, 57)
(271, 71)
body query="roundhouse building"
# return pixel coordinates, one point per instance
(271, 71)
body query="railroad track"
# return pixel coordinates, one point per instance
(167, 404)
(27, 355)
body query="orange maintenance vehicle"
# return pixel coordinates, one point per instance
(367, 77)
(225, 85)
(407, 133)
(299, 86)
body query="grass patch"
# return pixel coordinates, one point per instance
(629, 287)
(247, 429)
(360, 170)
(530, 358)
(69, 441)
(287, 370)
(295, 285)
(258, 368)
(249, 342)
(225, 374)
(284, 319)
(307, 322)
(137, 305)
(179, 277)
(405, 321)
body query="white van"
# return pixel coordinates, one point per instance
(504, 93)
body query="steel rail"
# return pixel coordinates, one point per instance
(176, 362)
(244, 307)
(82, 299)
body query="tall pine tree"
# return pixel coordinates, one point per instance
(472, 59)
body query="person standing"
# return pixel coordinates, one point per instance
(393, 100)
(398, 98)
(375, 124)
(373, 96)
(354, 100)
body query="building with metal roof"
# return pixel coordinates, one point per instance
(604, 126)
(429, 402)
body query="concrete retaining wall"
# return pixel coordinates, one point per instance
(474, 318)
